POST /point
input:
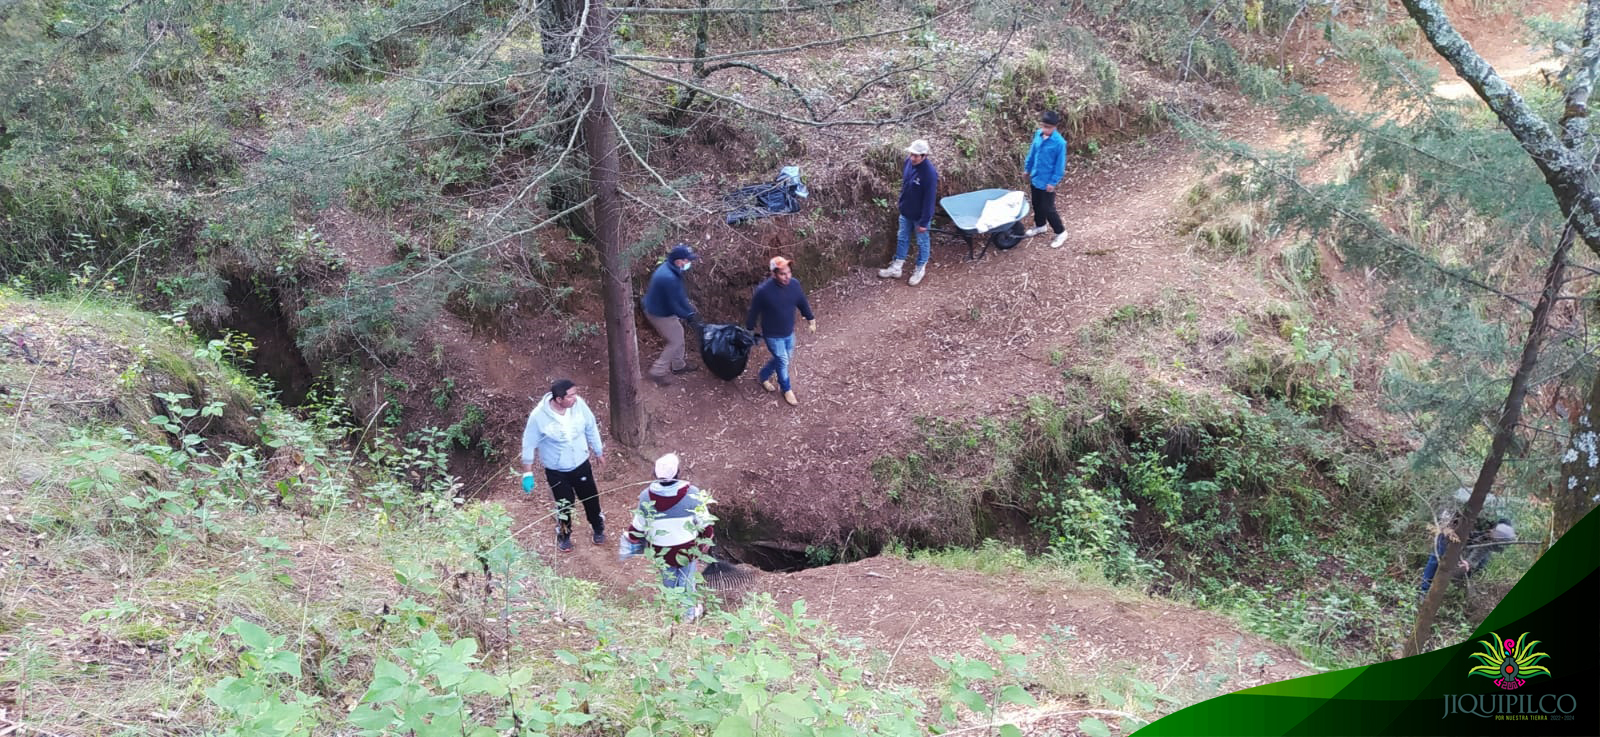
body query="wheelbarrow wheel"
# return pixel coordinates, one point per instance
(1005, 240)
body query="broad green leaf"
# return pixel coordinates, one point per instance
(282, 662)
(386, 669)
(1113, 698)
(735, 725)
(253, 636)
(235, 693)
(971, 699)
(1094, 728)
(1016, 695)
(1010, 730)
(793, 706)
(976, 669)
(478, 682)
(374, 719)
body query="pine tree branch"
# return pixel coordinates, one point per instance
(638, 157)
(644, 10)
(677, 220)
(1581, 74)
(825, 43)
(1283, 43)
(814, 123)
(1189, 49)
(962, 85)
(867, 84)
(572, 145)
(448, 260)
(1564, 171)
(798, 95)
(125, 7)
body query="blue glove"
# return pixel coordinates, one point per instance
(527, 483)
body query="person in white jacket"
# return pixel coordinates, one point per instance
(563, 432)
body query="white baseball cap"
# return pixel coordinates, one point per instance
(919, 147)
(667, 466)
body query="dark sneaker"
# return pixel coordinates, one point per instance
(686, 369)
(600, 536)
(564, 543)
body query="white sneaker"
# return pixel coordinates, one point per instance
(893, 271)
(916, 276)
(1060, 239)
(1035, 230)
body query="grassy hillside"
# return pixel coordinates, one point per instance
(185, 557)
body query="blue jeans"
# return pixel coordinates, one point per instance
(782, 349)
(682, 577)
(902, 244)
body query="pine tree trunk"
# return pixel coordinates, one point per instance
(616, 281)
(1504, 432)
(1580, 466)
(558, 26)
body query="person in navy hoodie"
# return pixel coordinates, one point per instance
(1046, 165)
(919, 185)
(665, 302)
(774, 303)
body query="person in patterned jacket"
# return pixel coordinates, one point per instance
(674, 521)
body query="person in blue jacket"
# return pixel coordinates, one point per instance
(774, 303)
(665, 302)
(1045, 165)
(919, 186)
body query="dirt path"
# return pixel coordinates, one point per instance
(974, 340)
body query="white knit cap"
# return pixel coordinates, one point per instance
(667, 466)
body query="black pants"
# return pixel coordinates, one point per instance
(1044, 210)
(571, 486)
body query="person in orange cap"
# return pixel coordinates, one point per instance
(774, 303)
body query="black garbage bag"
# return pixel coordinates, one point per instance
(725, 349)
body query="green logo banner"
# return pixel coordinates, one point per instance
(1531, 668)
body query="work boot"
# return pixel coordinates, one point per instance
(788, 396)
(564, 542)
(916, 276)
(686, 368)
(1060, 239)
(893, 272)
(1035, 230)
(770, 385)
(662, 380)
(600, 536)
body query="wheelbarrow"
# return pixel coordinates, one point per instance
(1001, 226)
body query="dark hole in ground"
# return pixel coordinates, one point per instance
(256, 312)
(760, 542)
